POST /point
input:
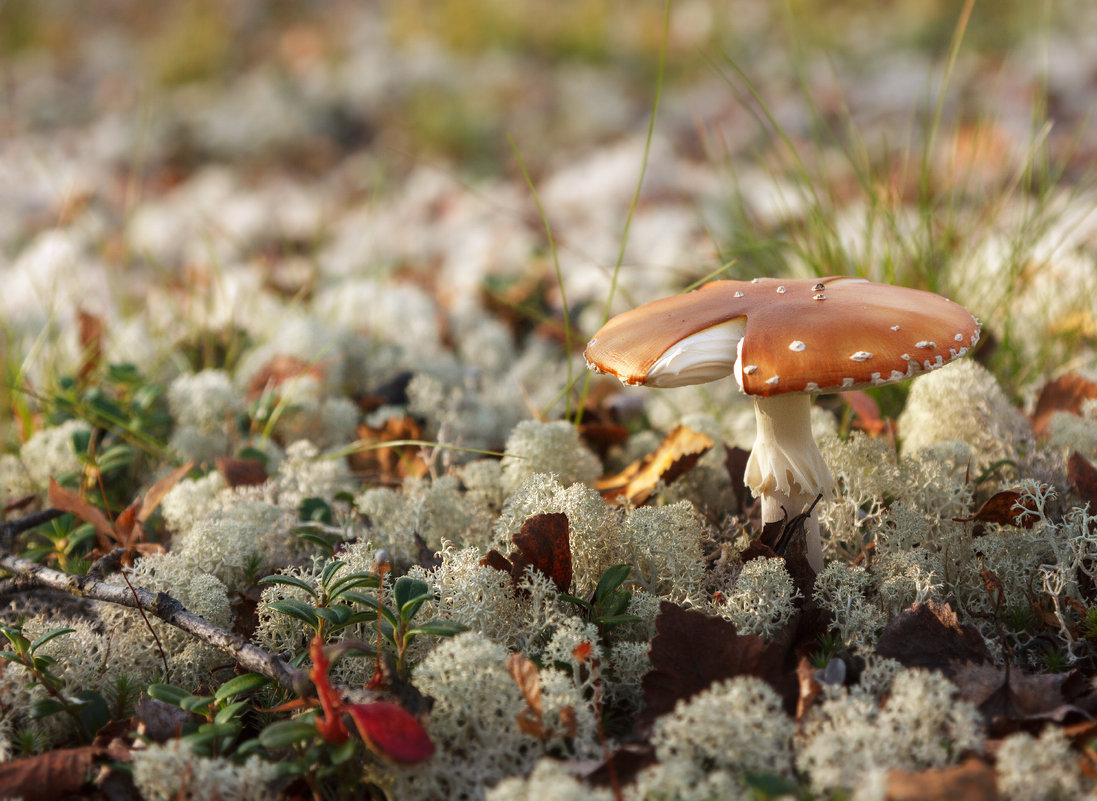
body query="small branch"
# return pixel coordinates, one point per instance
(11, 529)
(168, 609)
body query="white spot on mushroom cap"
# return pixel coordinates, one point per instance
(905, 357)
(781, 290)
(861, 356)
(847, 382)
(818, 288)
(738, 294)
(756, 280)
(773, 381)
(811, 386)
(896, 375)
(797, 345)
(875, 378)
(820, 296)
(750, 369)
(925, 343)
(895, 328)
(959, 337)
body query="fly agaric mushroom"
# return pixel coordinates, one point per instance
(785, 340)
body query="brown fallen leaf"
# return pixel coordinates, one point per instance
(691, 650)
(242, 472)
(68, 501)
(281, 369)
(971, 780)
(1004, 508)
(60, 773)
(92, 331)
(543, 544)
(677, 454)
(929, 635)
(810, 688)
(1011, 700)
(1083, 476)
(1066, 393)
(389, 464)
(600, 437)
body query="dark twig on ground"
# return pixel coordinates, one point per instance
(166, 608)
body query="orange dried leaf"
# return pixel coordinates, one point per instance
(677, 454)
(972, 780)
(92, 331)
(1066, 393)
(810, 688)
(242, 472)
(866, 412)
(68, 501)
(127, 528)
(528, 679)
(281, 369)
(390, 464)
(161, 488)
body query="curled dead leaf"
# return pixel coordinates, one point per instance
(1083, 476)
(242, 472)
(1005, 508)
(930, 635)
(677, 454)
(971, 780)
(1066, 393)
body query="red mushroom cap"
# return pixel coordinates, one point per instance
(800, 335)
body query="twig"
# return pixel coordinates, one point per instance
(172, 612)
(10, 529)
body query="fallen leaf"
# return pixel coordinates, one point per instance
(391, 731)
(1011, 700)
(1066, 393)
(528, 679)
(810, 688)
(677, 454)
(994, 586)
(59, 773)
(600, 437)
(281, 369)
(92, 331)
(1004, 508)
(389, 464)
(866, 412)
(242, 472)
(1083, 476)
(68, 501)
(691, 650)
(543, 544)
(127, 529)
(929, 635)
(971, 780)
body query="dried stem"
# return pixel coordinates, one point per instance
(171, 611)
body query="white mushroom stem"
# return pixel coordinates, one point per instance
(785, 468)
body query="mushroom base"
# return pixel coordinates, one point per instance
(785, 468)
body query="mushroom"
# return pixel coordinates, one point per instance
(785, 340)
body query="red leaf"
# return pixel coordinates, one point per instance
(1083, 476)
(67, 501)
(242, 472)
(161, 488)
(329, 725)
(391, 731)
(866, 412)
(1002, 508)
(1066, 393)
(543, 544)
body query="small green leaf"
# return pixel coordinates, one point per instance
(577, 601)
(338, 754)
(297, 609)
(330, 569)
(358, 598)
(229, 712)
(289, 581)
(315, 510)
(167, 693)
(407, 589)
(439, 628)
(49, 635)
(239, 685)
(350, 581)
(336, 615)
(409, 609)
(617, 620)
(326, 544)
(769, 785)
(44, 707)
(611, 580)
(286, 733)
(196, 703)
(613, 604)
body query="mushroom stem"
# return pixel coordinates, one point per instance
(785, 468)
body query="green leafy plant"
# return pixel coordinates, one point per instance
(87, 708)
(222, 712)
(607, 605)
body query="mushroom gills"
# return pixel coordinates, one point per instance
(705, 356)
